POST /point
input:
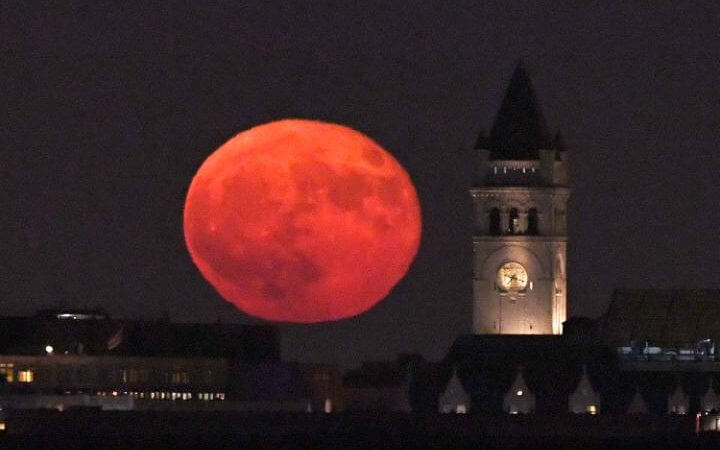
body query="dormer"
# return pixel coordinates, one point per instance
(455, 399)
(678, 401)
(519, 399)
(637, 404)
(710, 400)
(585, 399)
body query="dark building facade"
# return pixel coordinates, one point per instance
(63, 358)
(568, 374)
(93, 332)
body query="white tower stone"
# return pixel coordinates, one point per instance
(520, 199)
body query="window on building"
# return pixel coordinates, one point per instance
(130, 375)
(494, 229)
(591, 409)
(7, 372)
(26, 376)
(179, 377)
(514, 222)
(532, 227)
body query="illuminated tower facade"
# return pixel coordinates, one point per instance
(520, 196)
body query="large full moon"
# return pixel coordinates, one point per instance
(302, 221)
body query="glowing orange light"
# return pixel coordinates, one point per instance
(302, 221)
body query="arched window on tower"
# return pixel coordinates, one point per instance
(514, 222)
(494, 229)
(532, 227)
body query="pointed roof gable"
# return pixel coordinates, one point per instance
(454, 395)
(584, 386)
(678, 401)
(710, 400)
(519, 398)
(519, 130)
(584, 399)
(638, 405)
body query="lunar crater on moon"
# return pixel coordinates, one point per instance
(302, 221)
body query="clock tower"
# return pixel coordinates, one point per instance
(519, 196)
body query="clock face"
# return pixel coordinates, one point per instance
(512, 277)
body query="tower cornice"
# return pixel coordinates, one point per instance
(478, 191)
(520, 239)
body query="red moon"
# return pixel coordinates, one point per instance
(302, 221)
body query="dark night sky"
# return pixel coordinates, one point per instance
(109, 110)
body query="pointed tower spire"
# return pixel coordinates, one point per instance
(482, 140)
(519, 130)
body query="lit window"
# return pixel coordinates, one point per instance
(592, 409)
(519, 393)
(2, 426)
(461, 409)
(328, 406)
(8, 373)
(26, 376)
(221, 396)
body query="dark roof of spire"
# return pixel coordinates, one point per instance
(519, 130)
(482, 140)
